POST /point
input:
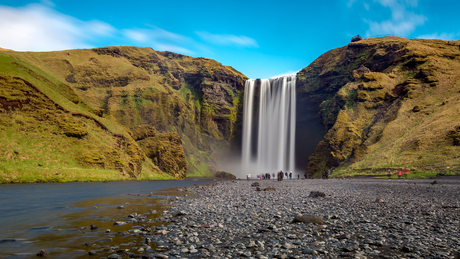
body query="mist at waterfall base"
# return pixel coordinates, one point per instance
(269, 126)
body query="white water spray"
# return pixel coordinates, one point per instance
(275, 147)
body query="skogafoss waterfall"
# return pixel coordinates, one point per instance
(269, 131)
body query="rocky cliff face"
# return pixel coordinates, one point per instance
(384, 103)
(192, 102)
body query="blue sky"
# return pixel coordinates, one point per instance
(261, 39)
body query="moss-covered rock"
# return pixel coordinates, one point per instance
(166, 151)
(377, 101)
(224, 175)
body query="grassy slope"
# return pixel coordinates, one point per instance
(34, 144)
(402, 116)
(137, 86)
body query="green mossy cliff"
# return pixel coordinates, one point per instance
(159, 113)
(385, 103)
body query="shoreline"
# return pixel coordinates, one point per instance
(383, 176)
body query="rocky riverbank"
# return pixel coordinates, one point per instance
(355, 218)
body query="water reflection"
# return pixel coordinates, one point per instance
(60, 221)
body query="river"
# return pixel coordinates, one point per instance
(57, 216)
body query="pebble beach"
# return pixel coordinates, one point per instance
(335, 218)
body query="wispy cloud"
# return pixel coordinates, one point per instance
(442, 36)
(350, 3)
(289, 73)
(227, 39)
(159, 39)
(402, 22)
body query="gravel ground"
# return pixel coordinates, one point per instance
(356, 218)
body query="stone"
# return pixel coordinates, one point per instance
(379, 200)
(94, 227)
(254, 184)
(308, 219)
(180, 213)
(344, 236)
(120, 207)
(407, 249)
(350, 247)
(41, 253)
(316, 194)
(161, 232)
(161, 249)
(92, 252)
(309, 251)
(114, 256)
(270, 189)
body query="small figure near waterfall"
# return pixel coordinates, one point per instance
(248, 176)
(290, 175)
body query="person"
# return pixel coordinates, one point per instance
(327, 174)
(248, 176)
(290, 175)
(399, 174)
(286, 174)
(389, 173)
(273, 176)
(298, 176)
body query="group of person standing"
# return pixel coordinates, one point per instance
(400, 173)
(279, 176)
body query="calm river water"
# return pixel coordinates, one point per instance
(52, 216)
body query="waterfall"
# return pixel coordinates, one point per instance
(274, 124)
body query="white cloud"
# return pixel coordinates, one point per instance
(402, 22)
(37, 27)
(442, 36)
(227, 39)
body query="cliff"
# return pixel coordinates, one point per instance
(126, 111)
(385, 103)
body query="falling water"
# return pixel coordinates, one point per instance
(274, 148)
